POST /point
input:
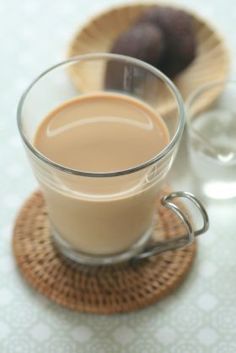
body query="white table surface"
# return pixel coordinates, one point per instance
(201, 315)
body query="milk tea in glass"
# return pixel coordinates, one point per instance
(101, 132)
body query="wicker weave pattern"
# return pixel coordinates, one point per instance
(103, 290)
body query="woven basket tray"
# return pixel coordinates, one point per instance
(210, 64)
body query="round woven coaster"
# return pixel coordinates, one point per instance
(102, 290)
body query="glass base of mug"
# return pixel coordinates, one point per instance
(99, 260)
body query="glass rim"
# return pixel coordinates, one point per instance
(203, 88)
(97, 56)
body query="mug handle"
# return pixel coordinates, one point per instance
(178, 242)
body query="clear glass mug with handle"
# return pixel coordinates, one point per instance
(99, 218)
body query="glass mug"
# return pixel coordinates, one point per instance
(104, 218)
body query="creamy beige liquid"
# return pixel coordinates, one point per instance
(103, 132)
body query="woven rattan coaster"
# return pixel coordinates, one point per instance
(102, 290)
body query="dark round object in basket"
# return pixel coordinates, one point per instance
(179, 37)
(143, 41)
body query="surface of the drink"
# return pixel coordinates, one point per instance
(102, 132)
